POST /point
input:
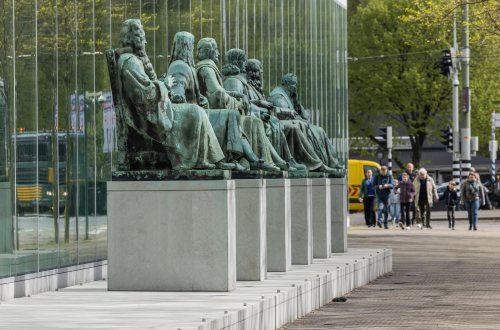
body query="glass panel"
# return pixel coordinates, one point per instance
(57, 121)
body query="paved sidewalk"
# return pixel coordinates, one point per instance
(441, 279)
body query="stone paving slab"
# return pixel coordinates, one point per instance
(282, 298)
(441, 279)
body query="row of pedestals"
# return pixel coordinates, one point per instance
(206, 235)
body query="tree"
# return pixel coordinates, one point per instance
(404, 89)
(484, 26)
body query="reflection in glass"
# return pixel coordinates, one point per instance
(57, 118)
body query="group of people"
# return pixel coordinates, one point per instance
(415, 192)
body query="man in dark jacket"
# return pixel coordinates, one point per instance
(383, 186)
(367, 197)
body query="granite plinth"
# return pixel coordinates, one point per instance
(339, 212)
(302, 239)
(172, 235)
(321, 217)
(171, 175)
(258, 174)
(251, 240)
(278, 209)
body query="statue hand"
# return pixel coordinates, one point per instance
(204, 102)
(265, 116)
(169, 81)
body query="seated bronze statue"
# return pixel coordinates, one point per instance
(285, 97)
(253, 122)
(152, 132)
(256, 150)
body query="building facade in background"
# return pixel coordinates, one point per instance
(57, 121)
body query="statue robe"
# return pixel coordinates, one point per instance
(211, 85)
(225, 122)
(316, 136)
(183, 130)
(290, 141)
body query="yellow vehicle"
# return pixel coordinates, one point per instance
(357, 170)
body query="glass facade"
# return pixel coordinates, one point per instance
(57, 119)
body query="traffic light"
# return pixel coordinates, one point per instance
(447, 138)
(446, 63)
(386, 136)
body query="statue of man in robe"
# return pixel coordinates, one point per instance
(146, 117)
(256, 148)
(291, 140)
(257, 119)
(285, 96)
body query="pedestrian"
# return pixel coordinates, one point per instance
(367, 197)
(383, 186)
(425, 195)
(394, 205)
(451, 199)
(412, 174)
(406, 191)
(472, 196)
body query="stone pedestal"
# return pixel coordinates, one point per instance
(321, 218)
(279, 253)
(251, 246)
(171, 236)
(302, 240)
(340, 211)
(6, 243)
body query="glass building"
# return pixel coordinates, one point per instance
(57, 123)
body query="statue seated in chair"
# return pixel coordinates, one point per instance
(152, 132)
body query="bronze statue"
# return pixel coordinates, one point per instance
(285, 97)
(253, 123)
(291, 141)
(211, 86)
(3, 128)
(185, 89)
(152, 132)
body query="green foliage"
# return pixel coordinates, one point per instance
(406, 90)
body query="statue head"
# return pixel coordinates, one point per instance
(236, 58)
(207, 49)
(289, 82)
(183, 48)
(254, 70)
(132, 35)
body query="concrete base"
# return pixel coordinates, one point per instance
(302, 240)
(321, 218)
(269, 304)
(171, 236)
(279, 253)
(340, 211)
(251, 240)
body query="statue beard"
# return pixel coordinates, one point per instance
(256, 82)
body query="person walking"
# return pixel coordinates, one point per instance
(383, 186)
(425, 195)
(472, 196)
(394, 205)
(451, 199)
(412, 174)
(367, 197)
(406, 191)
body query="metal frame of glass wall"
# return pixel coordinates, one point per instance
(57, 121)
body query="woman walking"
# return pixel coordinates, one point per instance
(472, 196)
(406, 191)
(450, 200)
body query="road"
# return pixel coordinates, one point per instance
(441, 279)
